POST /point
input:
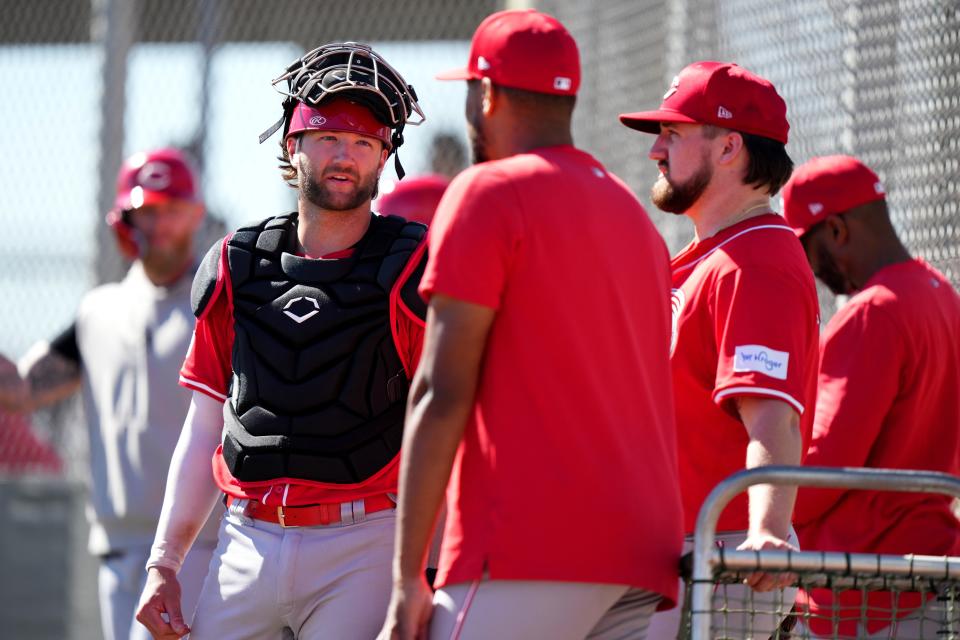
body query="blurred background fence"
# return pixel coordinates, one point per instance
(87, 82)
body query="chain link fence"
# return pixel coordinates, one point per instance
(90, 81)
(879, 79)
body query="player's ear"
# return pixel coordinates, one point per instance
(197, 211)
(293, 144)
(488, 96)
(732, 146)
(384, 154)
(838, 230)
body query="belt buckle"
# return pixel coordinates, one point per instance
(282, 519)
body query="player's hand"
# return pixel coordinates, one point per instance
(761, 580)
(408, 616)
(161, 599)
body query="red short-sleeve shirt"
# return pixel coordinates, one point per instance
(888, 397)
(208, 368)
(745, 323)
(569, 453)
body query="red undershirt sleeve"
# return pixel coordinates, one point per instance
(408, 328)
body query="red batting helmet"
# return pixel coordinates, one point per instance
(415, 199)
(338, 114)
(147, 178)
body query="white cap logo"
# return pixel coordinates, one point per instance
(673, 87)
(724, 113)
(562, 84)
(154, 176)
(878, 187)
(317, 121)
(816, 207)
(482, 63)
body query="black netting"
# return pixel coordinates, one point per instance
(831, 603)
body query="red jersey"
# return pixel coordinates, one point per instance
(208, 368)
(745, 323)
(888, 397)
(570, 449)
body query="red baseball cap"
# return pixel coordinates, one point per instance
(153, 177)
(523, 49)
(822, 187)
(721, 94)
(338, 114)
(414, 199)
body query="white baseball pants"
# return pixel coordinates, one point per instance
(311, 583)
(524, 609)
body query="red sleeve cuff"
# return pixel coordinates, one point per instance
(724, 394)
(202, 388)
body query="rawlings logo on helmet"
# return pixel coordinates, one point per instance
(317, 121)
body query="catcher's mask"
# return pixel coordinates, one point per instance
(354, 71)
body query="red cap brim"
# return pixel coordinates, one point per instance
(649, 121)
(457, 74)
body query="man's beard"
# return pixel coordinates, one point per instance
(478, 143)
(168, 261)
(678, 198)
(830, 275)
(316, 191)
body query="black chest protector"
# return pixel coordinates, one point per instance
(319, 390)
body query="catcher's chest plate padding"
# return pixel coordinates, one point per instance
(205, 280)
(319, 389)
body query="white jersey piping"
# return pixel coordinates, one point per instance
(761, 391)
(730, 239)
(199, 386)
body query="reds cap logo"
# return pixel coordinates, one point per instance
(154, 176)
